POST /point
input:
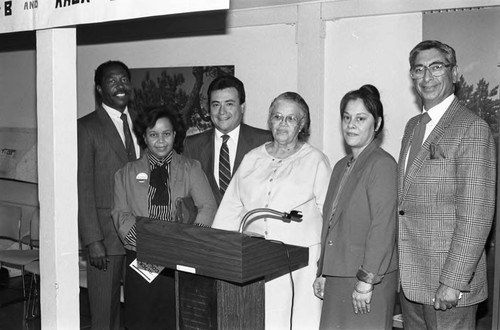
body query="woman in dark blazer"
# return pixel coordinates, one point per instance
(149, 187)
(357, 269)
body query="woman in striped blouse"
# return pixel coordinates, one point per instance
(150, 187)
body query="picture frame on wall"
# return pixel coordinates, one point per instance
(181, 88)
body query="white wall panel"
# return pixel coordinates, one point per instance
(370, 50)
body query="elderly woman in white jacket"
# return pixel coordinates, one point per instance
(285, 174)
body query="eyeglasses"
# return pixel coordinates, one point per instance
(436, 69)
(290, 119)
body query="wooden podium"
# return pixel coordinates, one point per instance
(221, 274)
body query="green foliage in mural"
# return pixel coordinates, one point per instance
(169, 90)
(482, 100)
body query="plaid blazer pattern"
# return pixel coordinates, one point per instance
(446, 205)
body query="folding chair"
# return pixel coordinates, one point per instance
(9, 226)
(33, 305)
(32, 239)
(10, 223)
(10, 229)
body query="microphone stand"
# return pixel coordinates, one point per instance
(269, 213)
(294, 215)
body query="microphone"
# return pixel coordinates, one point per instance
(293, 215)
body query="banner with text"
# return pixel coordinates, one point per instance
(22, 15)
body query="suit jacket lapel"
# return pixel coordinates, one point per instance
(142, 166)
(434, 137)
(408, 172)
(112, 136)
(207, 159)
(352, 181)
(206, 153)
(176, 170)
(242, 148)
(133, 117)
(402, 159)
(334, 215)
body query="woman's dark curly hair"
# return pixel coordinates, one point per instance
(148, 118)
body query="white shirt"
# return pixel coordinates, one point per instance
(435, 113)
(232, 144)
(115, 118)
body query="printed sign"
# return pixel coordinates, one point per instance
(22, 15)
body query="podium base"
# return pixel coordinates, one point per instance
(207, 303)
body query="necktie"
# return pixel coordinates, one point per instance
(129, 143)
(224, 165)
(418, 138)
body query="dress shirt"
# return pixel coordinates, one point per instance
(117, 121)
(435, 113)
(232, 144)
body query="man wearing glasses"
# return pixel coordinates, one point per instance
(446, 195)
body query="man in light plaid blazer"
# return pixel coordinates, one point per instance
(446, 200)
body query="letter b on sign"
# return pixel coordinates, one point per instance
(8, 8)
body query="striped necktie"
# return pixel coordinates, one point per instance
(224, 165)
(129, 143)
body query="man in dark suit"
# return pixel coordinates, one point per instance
(446, 199)
(105, 143)
(226, 100)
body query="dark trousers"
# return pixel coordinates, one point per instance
(104, 294)
(418, 316)
(149, 306)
